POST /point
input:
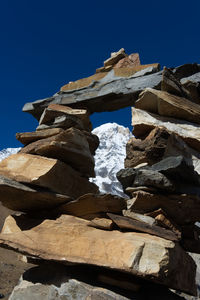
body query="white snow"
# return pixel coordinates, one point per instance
(109, 157)
(7, 152)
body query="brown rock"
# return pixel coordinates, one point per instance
(55, 110)
(193, 90)
(63, 121)
(130, 61)
(186, 70)
(101, 223)
(183, 209)
(137, 70)
(139, 217)
(69, 239)
(19, 197)
(104, 69)
(135, 225)
(149, 150)
(92, 140)
(29, 137)
(115, 57)
(91, 204)
(163, 221)
(171, 84)
(144, 122)
(70, 146)
(46, 172)
(168, 105)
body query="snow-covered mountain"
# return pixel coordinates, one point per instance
(7, 152)
(109, 157)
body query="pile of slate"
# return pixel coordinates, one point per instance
(162, 164)
(126, 244)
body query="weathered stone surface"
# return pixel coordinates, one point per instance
(193, 90)
(168, 105)
(108, 94)
(29, 137)
(55, 110)
(64, 121)
(150, 150)
(69, 239)
(195, 78)
(92, 140)
(19, 197)
(126, 177)
(115, 57)
(171, 84)
(131, 60)
(139, 217)
(178, 169)
(46, 172)
(176, 146)
(131, 189)
(101, 223)
(136, 225)
(144, 122)
(71, 289)
(186, 70)
(184, 209)
(91, 204)
(70, 146)
(147, 177)
(163, 220)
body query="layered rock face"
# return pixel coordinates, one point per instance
(130, 245)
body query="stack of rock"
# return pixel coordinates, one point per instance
(122, 243)
(162, 164)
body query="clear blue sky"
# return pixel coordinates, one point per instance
(45, 44)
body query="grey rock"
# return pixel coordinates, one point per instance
(107, 94)
(178, 169)
(147, 177)
(126, 177)
(186, 70)
(65, 122)
(193, 78)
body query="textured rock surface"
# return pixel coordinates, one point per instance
(131, 60)
(168, 105)
(30, 137)
(54, 110)
(144, 122)
(69, 146)
(182, 208)
(46, 172)
(69, 239)
(19, 197)
(90, 204)
(150, 150)
(108, 94)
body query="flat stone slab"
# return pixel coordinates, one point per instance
(20, 197)
(91, 204)
(183, 209)
(68, 239)
(46, 172)
(144, 122)
(107, 94)
(168, 105)
(70, 146)
(30, 137)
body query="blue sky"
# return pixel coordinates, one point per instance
(45, 44)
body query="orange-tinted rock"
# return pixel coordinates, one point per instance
(69, 240)
(70, 146)
(91, 204)
(130, 61)
(168, 105)
(46, 172)
(30, 137)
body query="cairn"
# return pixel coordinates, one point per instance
(123, 243)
